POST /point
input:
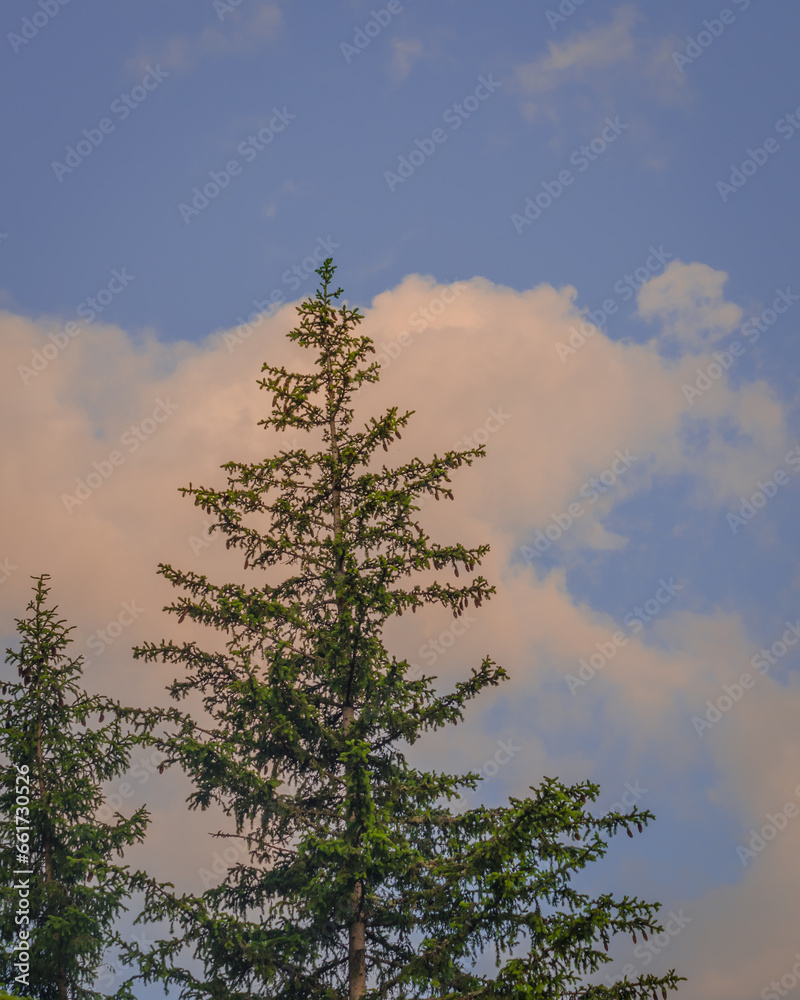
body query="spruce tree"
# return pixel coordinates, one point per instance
(60, 888)
(361, 880)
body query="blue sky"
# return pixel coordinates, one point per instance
(171, 168)
(353, 121)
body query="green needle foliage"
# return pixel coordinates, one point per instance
(361, 880)
(60, 890)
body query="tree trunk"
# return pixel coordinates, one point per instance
(357, 943)
(61, 973)
(357, 958)
(357, 950)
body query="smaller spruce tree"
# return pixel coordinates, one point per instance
(52, 845)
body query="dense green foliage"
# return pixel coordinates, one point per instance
(60, 887)
(361, 881)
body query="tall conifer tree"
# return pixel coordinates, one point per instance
(361, 881)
